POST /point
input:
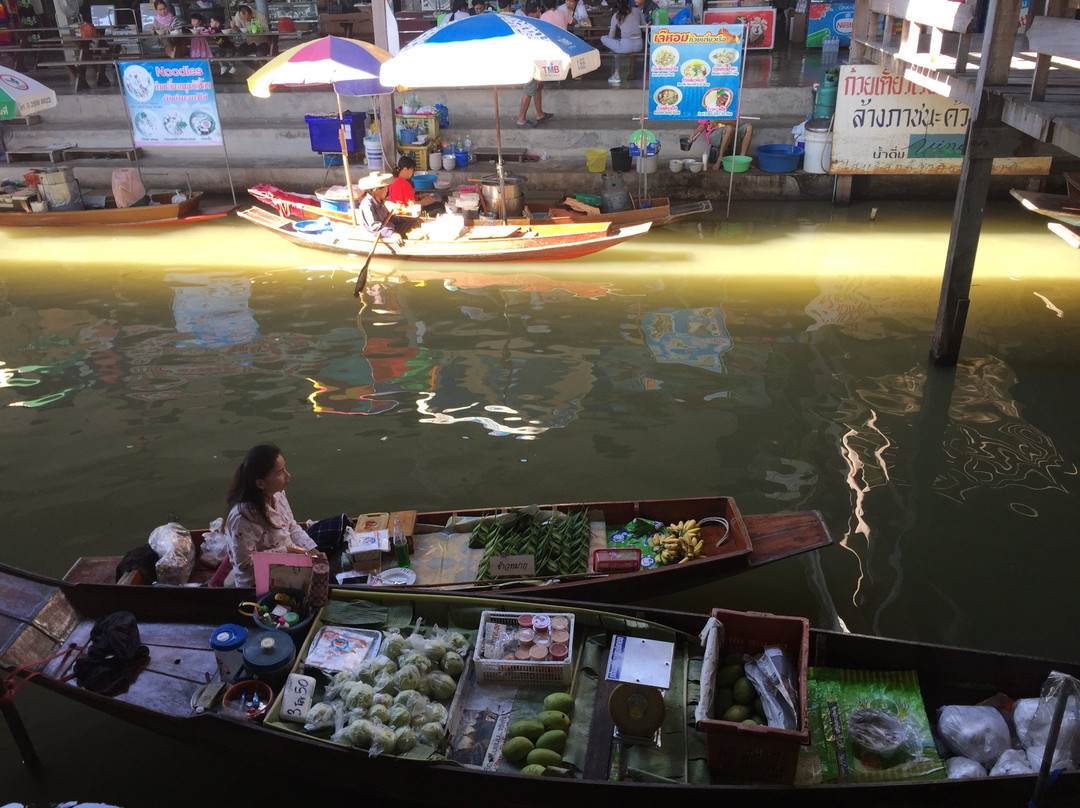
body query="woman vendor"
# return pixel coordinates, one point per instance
(374, 216)
(718, 135)
(401, 192)
(260, 518)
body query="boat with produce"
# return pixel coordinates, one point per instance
(17, 211)
(598, 551)
(468, 242)
(410, 697)
(657, 211)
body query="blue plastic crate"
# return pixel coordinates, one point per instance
(323, 130)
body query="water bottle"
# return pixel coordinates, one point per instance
(401, 545)
(468, 147)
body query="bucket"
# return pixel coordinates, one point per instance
(645, 164)
(287, 597)
(620, 159)
(268, 657)
(515, 193)
(461, 157)
(435, 161)
(817, 156)
(408, 136)
(778, 158)
(596, 160)
(331, 203)
(227, 642)
(373, 151)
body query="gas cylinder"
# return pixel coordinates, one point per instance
(825, 96)
(614, 196)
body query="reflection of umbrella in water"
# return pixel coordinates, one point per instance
(495, 50)
(21, 96)
(350, 66)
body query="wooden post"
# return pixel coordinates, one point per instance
(997, 48)
(379, 10)
(18, 729)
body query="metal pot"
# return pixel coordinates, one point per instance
(515, 193)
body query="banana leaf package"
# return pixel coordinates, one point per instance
(868, 726)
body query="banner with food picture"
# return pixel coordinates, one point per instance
(694, 71)
(171, 103)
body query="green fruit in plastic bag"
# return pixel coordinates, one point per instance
(517, 748)
(554, 739)
(728, 675)
(563, 702)
(534, 769)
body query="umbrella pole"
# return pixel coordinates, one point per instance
(345, 158)
(498, 163)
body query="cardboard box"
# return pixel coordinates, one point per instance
(796, 26)
(367, 547)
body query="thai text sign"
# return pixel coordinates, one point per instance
(171, 103)
(694, 71)
(885, 124)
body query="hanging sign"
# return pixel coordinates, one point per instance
(171, 103)
(694, 71)
(887, 124)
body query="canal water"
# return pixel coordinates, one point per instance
(779, 357)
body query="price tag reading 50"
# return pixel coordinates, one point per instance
(296, 698)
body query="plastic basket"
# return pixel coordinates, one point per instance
(420, 154)
(523, 672)
(323, 131)
(423, 123)
(778, 158)
(764, 754)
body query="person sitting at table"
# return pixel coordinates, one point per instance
(458, 11)
(504, 6)
(576, 13)
(624, 35)
(249, 23)
(374, 216)
(200, 46)
(480, 7)
(222, 43)
(401, 195)
(553, 15)
(166, 25)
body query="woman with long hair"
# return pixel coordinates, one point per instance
(625, 33)
(259, 517)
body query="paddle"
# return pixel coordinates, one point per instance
(361, 279)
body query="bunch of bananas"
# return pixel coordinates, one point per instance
(677, 543)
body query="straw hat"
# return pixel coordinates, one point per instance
(374, 180)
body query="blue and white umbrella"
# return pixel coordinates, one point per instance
(495, 50)
(490, 50)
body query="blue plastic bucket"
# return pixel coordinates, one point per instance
(424, 182)
(461, 157)
(227, 642)
(326, 203)
(778, 158)
(408, 136)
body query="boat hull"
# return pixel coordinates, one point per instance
(43, 616)
(167, 212)
(541, 243)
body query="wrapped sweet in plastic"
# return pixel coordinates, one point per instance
(975, 732)
(960, 768)
(1012, 761)
(320, 716)
(176, 553)
(383, 739)
(1037, 731)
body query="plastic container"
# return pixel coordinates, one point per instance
(227, 642)
(620, 159)
(461, 157)
(268, 657)
(645, 164)
(373, 151)
(407, 136)
(778, 158)
(424, 181)
(596, 160)
(332, 203)
(248, 699)
(545, 672)
(323, 131)
(762, 754)
(817, 151)
(737, 163)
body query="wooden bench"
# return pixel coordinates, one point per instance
(410, 24)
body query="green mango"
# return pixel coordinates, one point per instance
(544, 757)
(526, 727)
(534, 769)
(554, 739)
(563, 702)
(516, 749)
(554, 719)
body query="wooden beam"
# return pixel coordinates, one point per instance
(950, 16)
(1055, 36)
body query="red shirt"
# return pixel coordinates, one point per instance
(401, 191)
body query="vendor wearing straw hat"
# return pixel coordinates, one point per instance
(374, 216)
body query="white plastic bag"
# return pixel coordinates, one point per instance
(1012, 761)
(176, 553)
(958, 768)
(975, 732)
(215, 545)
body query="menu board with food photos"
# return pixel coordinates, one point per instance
(171, 103)
(694, 71)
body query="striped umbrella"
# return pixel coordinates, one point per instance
(350, 66)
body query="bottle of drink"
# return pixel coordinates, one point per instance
(468, 147)
(401, 545)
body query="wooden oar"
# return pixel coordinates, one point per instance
(361, 279)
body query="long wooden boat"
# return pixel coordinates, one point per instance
(163, 211)
(658, 211)
(477, 242)
(442, 559)
(1062, 207)
(176, 691)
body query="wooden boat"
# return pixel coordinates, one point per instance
(1064, 209)
(176, 692)
(164, 211)
(443, 560)
(477, 243)
(658, 211)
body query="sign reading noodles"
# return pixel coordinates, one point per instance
(171, 103)
(694, 71)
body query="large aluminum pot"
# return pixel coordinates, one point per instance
(515, 193)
